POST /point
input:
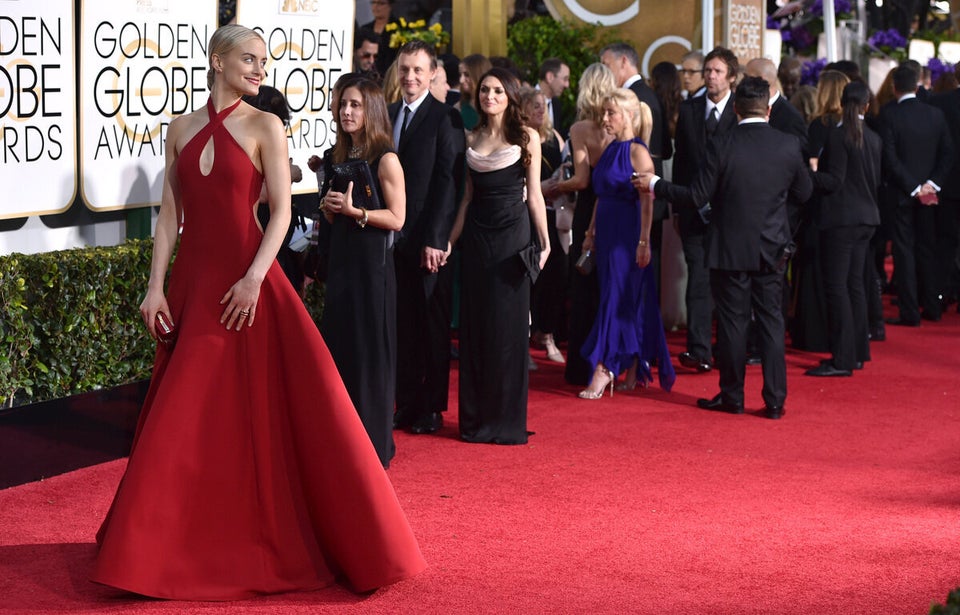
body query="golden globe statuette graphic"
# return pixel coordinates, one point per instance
(659, 31)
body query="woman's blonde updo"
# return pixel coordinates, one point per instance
(224, 39)
(595, 83)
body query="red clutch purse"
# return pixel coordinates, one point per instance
(166, 330)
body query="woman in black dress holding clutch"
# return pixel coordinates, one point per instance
(497, 224)
(360, 311)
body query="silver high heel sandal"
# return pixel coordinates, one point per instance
(588, 394)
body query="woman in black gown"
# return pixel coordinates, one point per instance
(550, 290)
(494, 220)
(360, 312)
(587, 142)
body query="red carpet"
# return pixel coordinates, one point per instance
(640, 504)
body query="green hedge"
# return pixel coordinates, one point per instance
(70, 321)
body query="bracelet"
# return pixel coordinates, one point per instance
(641, 243)
(362, 220)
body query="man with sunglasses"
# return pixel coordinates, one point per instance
(366, 45)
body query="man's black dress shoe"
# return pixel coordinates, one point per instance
(773, 412)
(877, 333)
(402, 419)
(902, 323)
(930, 316)
(827, 369)
(856, 364)
(719, 405)
(428, 423)
(690, 361)
(753, 359)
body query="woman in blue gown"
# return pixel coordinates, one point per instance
(627, 334)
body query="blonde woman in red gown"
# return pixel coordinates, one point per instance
(250, 472)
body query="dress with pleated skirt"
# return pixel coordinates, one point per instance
(628, 326)
(250, 471)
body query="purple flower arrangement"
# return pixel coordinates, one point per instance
(937, 68)
(888, 40)
(841, 8)
(810, 71)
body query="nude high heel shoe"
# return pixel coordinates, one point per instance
(553, 353)
(611, 381)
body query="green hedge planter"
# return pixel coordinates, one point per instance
(70, 321)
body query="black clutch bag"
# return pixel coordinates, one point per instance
(364, 189)
(530, 259)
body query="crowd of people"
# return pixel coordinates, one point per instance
(706, 192)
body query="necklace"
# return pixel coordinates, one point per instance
(356, 151)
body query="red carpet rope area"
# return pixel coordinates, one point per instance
(637, 504)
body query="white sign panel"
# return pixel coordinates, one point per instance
(38, 130)
(309, 45)
(143, 62)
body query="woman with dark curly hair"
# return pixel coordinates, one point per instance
(499, 259)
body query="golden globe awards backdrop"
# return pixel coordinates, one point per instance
(38, 129)
(664, 31)
(142, 63)
(659, 31)
(309, 45)
(744, 23)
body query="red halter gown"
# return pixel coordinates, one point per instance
(251, 472)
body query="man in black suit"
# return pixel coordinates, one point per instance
(623, 60)
(917, 158)
(788, 119)
(430, 144)
(746, 176)
(783, 116)
(701, 119)
(554, 80)
(948, 220)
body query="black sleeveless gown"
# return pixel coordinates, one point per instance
(360, 321)
(495, 301)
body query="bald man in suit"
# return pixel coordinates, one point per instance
(747, 176)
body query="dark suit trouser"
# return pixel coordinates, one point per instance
(948, 246)
(699, 305)
(843, 252)
(423, 337)
(915, 259)
(735, 294)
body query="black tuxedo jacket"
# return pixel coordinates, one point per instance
(556, 109)
(431, 154)
(747, 175)
(691, 148)
(659, 146)
(850, 178)
(786, 118)
(916, 147)
(949, 104)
